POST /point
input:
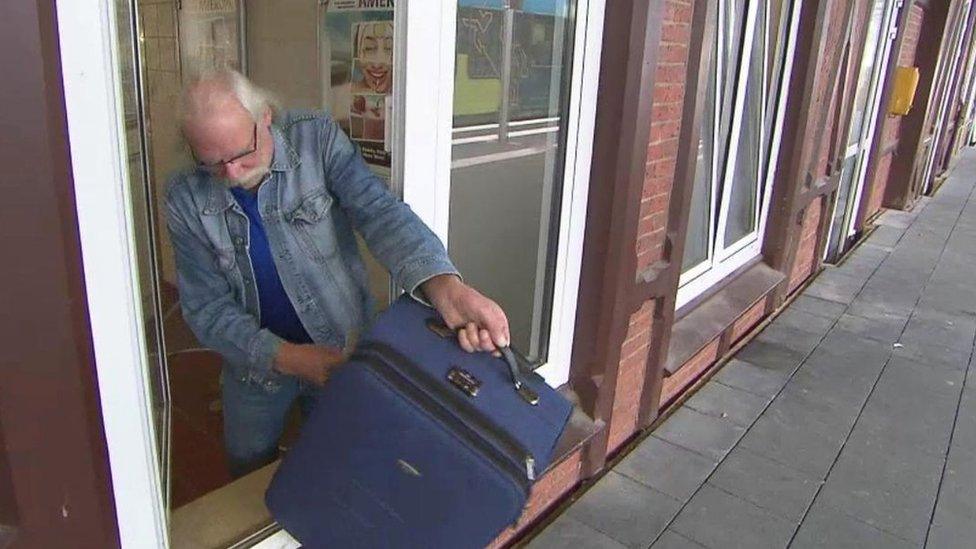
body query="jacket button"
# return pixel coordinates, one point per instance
(239, 241)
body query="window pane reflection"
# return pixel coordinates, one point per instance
(511, 93)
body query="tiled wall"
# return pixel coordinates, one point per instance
(161, 70)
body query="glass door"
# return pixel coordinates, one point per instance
(881, 31)
(515, 144)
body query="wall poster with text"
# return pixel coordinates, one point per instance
(356, 41)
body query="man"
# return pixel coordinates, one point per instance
(268, 267)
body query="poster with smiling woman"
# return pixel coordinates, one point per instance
(356, 41)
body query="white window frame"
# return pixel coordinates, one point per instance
(427, 162)
(723, 258)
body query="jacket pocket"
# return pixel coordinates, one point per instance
(314, 226)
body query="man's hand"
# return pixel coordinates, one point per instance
(480, 323)
(310, 362)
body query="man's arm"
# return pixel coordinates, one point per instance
(395, 235)
(407, 247)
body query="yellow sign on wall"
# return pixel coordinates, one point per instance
(903, 92)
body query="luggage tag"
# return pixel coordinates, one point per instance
(468, 384)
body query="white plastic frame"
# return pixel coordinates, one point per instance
(724, 259)
(90, 68)
(427, 168)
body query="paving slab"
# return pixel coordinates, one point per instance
(883, 328)
(718, 400)
(939, 328)
(566, 531)
(717, 519)
(782, 439)
(886, 236)
(709, 436)
(829, 528)
(625, 510)
(834, 286)
(820, 307)
(779, 489)
(802, 320)
(796, 339)
(771, 355)
(666, 467)
(751, 378)
(886, 493)
(673, 540)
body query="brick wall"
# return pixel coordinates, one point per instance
(662, 152)
(630, 377)
(748, 319)
(877, 189)
(689, 371)
(806, 260)
(662, 147)
(544, 495)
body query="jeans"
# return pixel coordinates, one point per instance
(254, 416)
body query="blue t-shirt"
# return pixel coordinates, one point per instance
(277, 312)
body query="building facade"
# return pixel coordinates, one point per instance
(640, 184)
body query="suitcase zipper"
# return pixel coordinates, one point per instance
(504, 451)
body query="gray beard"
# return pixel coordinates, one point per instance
(249, 181)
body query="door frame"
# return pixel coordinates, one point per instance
(90, 65)
(861, 150)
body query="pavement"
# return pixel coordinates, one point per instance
(849, 421)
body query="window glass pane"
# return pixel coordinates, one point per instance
(780, 14)
(730, 52)
(697, 248)
(866, 72)
(745, 177)
(513, 61)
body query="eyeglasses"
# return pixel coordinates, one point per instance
(214, 166)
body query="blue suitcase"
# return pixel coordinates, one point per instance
(416, 443)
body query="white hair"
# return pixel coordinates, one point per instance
(206, 90)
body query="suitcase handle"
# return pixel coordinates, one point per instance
(514, 368)
(508, 355)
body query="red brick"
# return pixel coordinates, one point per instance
(673, 53)
(665, 92)
(689, 371)
(667, 149)
(675, 32)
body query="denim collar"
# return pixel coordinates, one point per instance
(284, 158)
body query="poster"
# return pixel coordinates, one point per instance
(357, 63)
(209, 36)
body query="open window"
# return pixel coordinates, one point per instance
(738, 141)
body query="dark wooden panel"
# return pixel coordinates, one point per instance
(49, 409)
(631, 40)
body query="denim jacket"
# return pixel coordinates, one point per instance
(319, 189)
